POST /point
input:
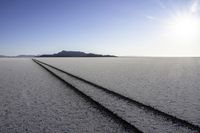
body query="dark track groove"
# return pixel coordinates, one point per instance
(98, 105)
(147, 107)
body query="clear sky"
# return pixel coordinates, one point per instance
(119, 27)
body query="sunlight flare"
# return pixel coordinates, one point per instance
(185, 26)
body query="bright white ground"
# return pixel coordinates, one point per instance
(32, 100)
(168, 84)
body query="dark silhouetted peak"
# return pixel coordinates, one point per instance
(75, 54)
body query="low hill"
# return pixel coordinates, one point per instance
(3, 56)
(74, 54)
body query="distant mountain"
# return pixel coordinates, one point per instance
(74, 54)
(3, 56)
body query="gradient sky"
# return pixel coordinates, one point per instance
(119, 27)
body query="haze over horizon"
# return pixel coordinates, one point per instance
(116, 27)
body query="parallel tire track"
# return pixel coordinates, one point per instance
(127, 125)
(146, 107)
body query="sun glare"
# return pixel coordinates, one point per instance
(185, 26)
(182, 31)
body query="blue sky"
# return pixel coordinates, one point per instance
(120, 27)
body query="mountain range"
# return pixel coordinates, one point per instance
(64, 54)
(75, 54)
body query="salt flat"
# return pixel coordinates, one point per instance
(144, 118)
(168, 84)
(32, 100)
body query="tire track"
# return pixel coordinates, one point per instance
(128, 126)
(124, 107)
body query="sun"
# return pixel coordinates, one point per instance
(185, 26)
(182, 34)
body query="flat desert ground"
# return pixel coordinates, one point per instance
(136, 94)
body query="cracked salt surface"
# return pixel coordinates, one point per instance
(168, 84)
(32, 100)
(142, 118)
